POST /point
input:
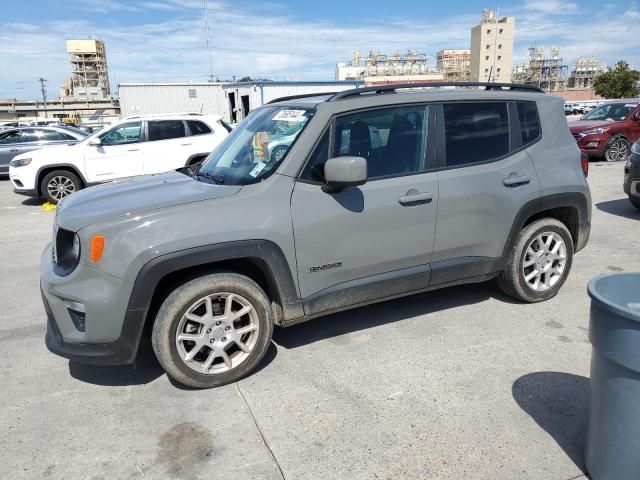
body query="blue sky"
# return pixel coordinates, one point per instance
(164, 40)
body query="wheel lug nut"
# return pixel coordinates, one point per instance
(227, 328)
(208, 330)
(212, 340)
(224, 339)
(218, 323)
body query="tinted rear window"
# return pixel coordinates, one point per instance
(475, 132)
(529, 122)
(166, 129)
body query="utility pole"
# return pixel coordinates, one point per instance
(206, 26)
(43, 89)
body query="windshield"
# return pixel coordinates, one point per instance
(255, 148)
(613, 112)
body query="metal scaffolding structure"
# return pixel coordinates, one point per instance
(585, 71)
(455, 65)
(377, 64)
(89, 75)
(548, 73)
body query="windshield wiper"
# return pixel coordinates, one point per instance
(219, 179)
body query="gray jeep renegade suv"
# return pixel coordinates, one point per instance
(383, 192)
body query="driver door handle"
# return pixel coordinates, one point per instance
(185, 144)
(515, 180)
(413, 197)
(133, 150)
(13, 150)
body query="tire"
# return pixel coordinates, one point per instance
(279, 152)
(635, 201)
(515, 281)
(171, 321)
(618, 150)
(58, 184)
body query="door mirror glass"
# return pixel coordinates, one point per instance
(637, 116)
(95, 142)
(343, 172)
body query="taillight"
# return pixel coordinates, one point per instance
(584, 160)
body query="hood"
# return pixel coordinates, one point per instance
(47, 152)
(135, 195)
(579, 126)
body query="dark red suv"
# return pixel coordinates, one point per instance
(609, 130)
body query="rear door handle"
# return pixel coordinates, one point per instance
(412, 198)
(185, 144)
(133, 150)
(515, 180)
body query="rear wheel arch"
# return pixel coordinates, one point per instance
(569, 208)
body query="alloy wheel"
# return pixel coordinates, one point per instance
(217, 333)
(60, 186)
(618, 150)
(544, 261)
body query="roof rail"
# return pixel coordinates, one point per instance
(303, 95)
(147, 115)
(392, 88)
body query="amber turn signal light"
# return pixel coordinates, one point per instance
(97, 246)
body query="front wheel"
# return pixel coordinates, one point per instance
(617, 150)
(540, 262)
(213, 330)
(58, 184)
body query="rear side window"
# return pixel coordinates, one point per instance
(198, 128)
(40, 135)
(475, 132)
(529, 122)
(165, 129)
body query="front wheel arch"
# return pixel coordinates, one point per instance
(50, 168)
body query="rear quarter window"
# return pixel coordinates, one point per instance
(529, 122)
(198, 128)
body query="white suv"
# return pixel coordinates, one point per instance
(133, 146)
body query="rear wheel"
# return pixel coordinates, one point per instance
(617, 150)
(213, 330)
(58, 184)
(540, 262)
(635, 201)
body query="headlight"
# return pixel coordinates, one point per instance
(595, 131)
(635, 148)
(66, 251)
(19, 162)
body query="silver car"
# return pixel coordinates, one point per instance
(25, 139)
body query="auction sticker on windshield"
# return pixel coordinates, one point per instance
(290, 115)
(257, 169)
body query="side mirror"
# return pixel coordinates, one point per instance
(343, 172)
(95, 142)
(636, 116)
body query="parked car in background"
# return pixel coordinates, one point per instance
(632, 175)
(609, 130)
(204, 262)
(133, 146)
(19, 140)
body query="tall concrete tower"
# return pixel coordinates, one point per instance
(492, 48)
(89, 75)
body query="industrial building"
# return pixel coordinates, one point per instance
(455, 65)
(89, 74)
(377, 68)
(233, 101)
(548, 73)
(492, 48)
(585, 71)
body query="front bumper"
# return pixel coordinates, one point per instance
(593, 145)
(111, 332)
